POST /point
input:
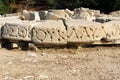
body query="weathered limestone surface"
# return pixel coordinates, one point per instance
(95, 12)
(18, 30)
(50, 32)
(55, 14)
(7, 19)
(58, 12)
(30, 15)
(115, 13)
(69, 12)
(51, 16)
(112, 30)
(81, 31)
(81, 13)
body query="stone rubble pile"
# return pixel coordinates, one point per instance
(60, 27)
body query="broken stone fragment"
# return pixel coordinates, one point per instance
(70, 13)
(112, 30)
(115, 13)
(51, 16)
(7, 19)
(50, 32)
(30, 15)
(60, 13)
(96, 12)
(55, 14)
(81, 14)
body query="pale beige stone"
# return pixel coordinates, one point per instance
(107, 19)
(69, 12)
(50, 32)
(96, 12)
(3, 20)
(18, 30)
(84, 9)
(115, 13)
(76, 14)
(81, 13)
(112, 29)
(80, 31)
(57, 13)
(37, 17)
(30, 15)
(84, 15)
(60, 13)
(52, 16)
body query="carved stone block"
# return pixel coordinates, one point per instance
(17, 31)
(7, 19)
(80, 31)
(50, 32)
(112, 29)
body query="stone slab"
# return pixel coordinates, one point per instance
(115, 13)
(18, 30)
(112, 30)
(51, 16)
(81, 31)
(50, 32)
(8, 19)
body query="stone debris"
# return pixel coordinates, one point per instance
(10, 62)
(31, 54)
(60, 27)
(42, 77)
(115, 13)
(43, 54)
(28, 78)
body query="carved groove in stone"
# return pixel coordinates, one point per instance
(15, 32)
(45, 36)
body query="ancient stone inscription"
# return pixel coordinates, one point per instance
(49, 35)
(85, 34)
(14, 31)
(113, 32)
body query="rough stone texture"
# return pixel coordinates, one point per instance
(60, 13)
(107, 19)
(81, 13)
(37, 16)
(31, 15)
(112, 30)
(7, 19)
(80, 31)
(69, 12)
(76, 14)
(27, 15)
(43, 14)
(18, 31)
(51, 16)
(55, 14)
(115, 13)
(50, 32)
(96, 12)
(85, 14)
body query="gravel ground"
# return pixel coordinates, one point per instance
(93, 63)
